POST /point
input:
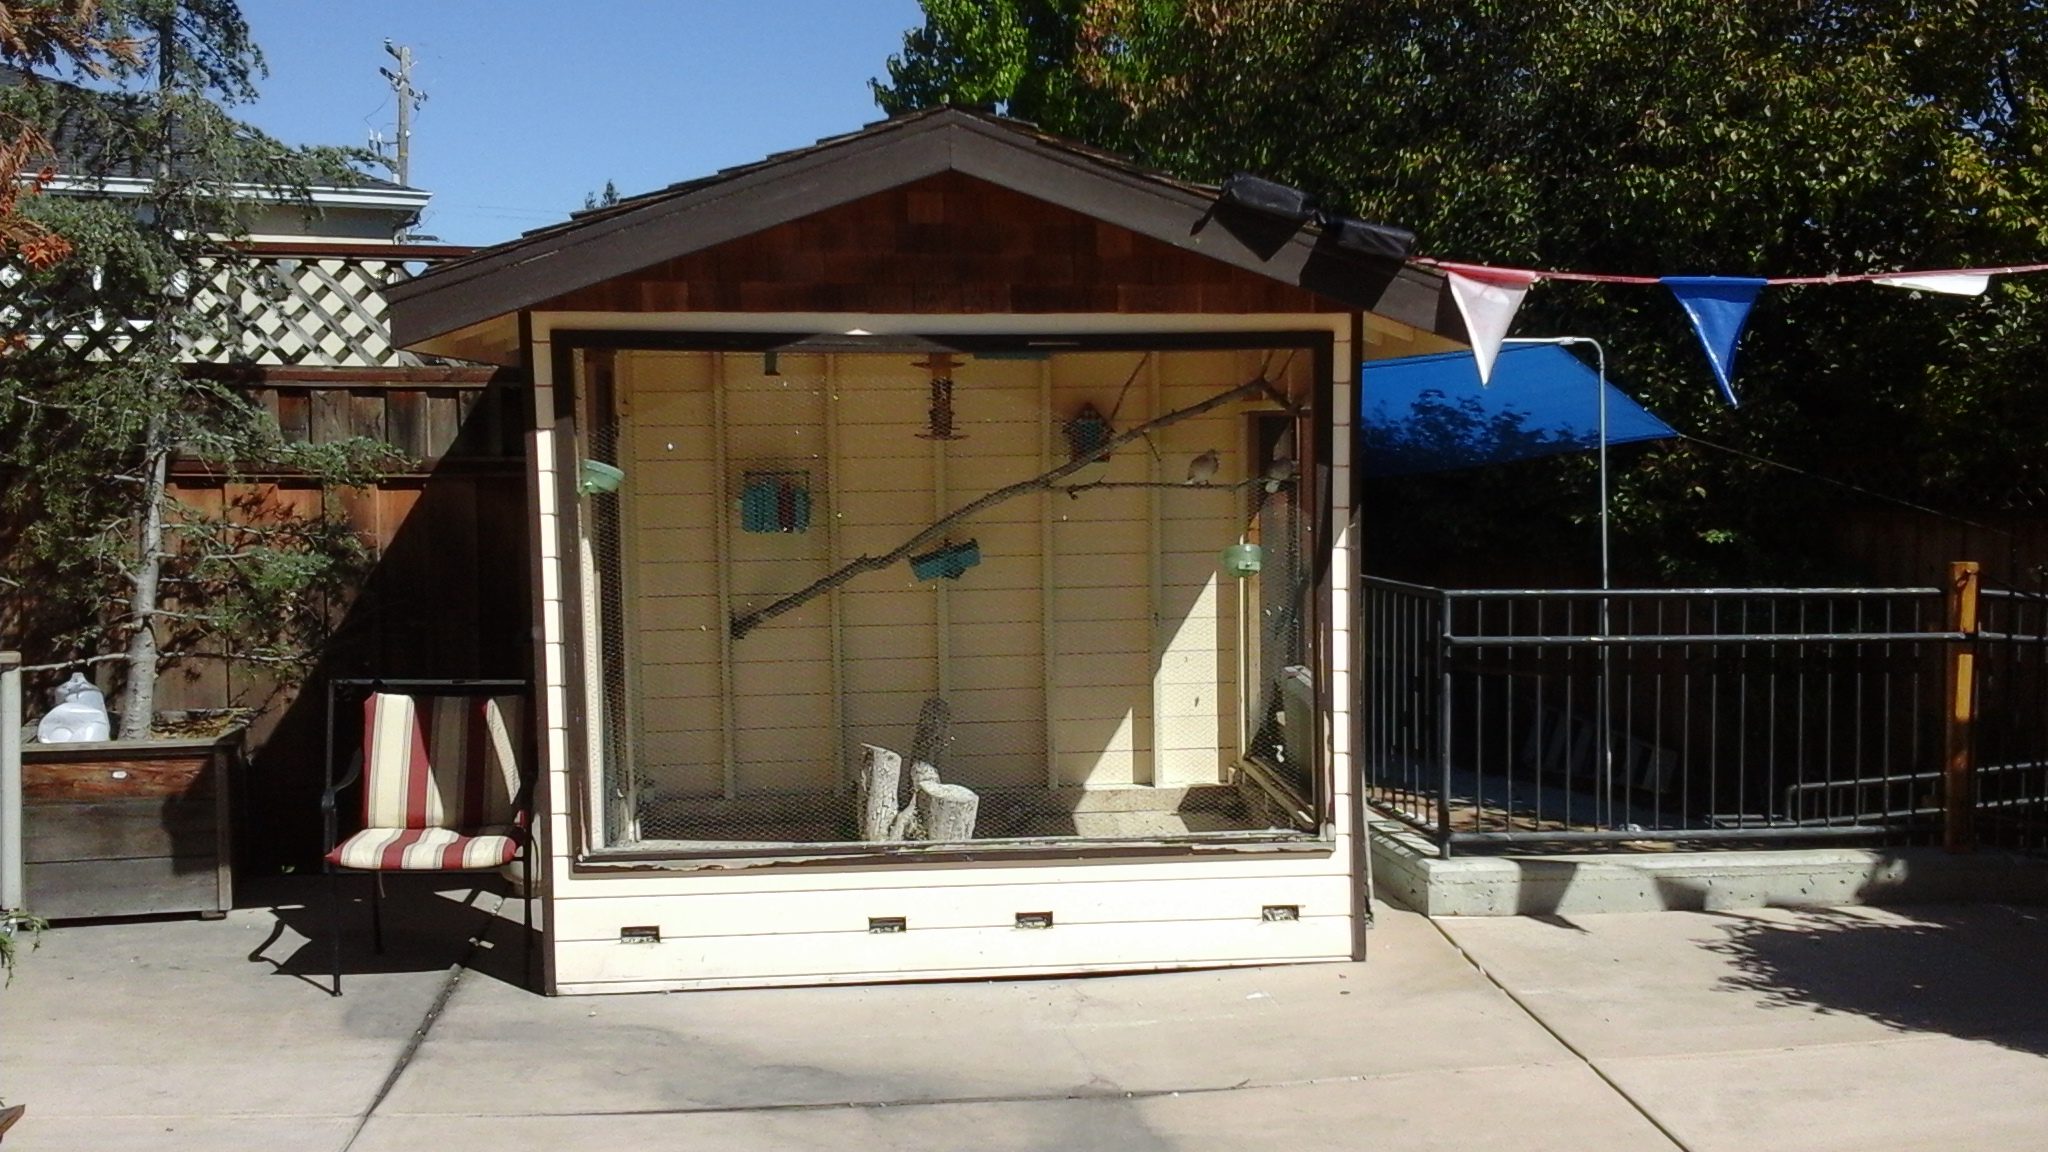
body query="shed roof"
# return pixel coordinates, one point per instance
(604, 243)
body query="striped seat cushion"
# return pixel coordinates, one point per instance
(426, 850)
(441, 761)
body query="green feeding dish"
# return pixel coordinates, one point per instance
(947, 562)
(599, 476)
(1242, 560)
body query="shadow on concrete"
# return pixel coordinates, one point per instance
(1969, 972)
(432, 921)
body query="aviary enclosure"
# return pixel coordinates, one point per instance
(917, 593)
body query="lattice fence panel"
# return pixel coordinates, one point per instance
(316, 312)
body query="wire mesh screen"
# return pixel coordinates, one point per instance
(1278, 609)
(923, 596)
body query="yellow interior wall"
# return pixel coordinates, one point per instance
(1121, 671)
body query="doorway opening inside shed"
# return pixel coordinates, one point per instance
(934, 594)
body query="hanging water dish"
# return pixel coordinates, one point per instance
(947, 560)
(1242, 560)
(600, 478)
(775, 502)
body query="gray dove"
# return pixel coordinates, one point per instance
(1202, 469)
(1280, 474)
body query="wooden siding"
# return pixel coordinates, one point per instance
(945, 244)
(1134, 683)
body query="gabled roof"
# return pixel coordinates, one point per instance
(600, 244)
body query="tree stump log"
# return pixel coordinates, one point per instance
(880, 770)
(907, 825)
(945, 811)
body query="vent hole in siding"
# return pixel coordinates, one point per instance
(1034, 920)
(1274, 913)
(885, 925)
(641, 934)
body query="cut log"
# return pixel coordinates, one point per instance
(880, 770)
(906, 825)
(900, 828)
(946, 811)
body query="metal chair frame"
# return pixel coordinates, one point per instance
(330, 815)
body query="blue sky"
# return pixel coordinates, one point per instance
(531, 105)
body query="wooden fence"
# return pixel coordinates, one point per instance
(447, 595)
(301, 327)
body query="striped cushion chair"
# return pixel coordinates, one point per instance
(443, 791)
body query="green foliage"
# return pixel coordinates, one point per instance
(13, 926)
(1639, 136)
(95, 404)
(1018, 57)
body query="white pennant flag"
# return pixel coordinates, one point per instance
(1487, 298)
(1949, 283)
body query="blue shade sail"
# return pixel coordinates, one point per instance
(1430, 413)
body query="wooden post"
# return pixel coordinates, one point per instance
(1959, 701)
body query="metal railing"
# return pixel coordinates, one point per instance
(2009, 738)
(1581, 717)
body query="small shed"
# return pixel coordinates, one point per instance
(942, 561)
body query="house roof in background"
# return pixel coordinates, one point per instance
(74, 152)
(599, 244)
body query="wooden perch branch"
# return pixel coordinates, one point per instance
(748, 621)
(1075, 490)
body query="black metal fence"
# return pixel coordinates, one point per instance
(2009, 732)
(1581, 717)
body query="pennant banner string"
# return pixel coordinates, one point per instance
(1832, 278)
(1487, 298)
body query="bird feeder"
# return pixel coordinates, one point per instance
(775, 502)
(948, 560)
(1243, 560)
(600, 478)
(1087, 434)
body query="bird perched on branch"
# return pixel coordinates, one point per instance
(1202, 469)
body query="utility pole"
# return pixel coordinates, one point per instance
(409, 100)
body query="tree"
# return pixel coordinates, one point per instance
(1647, 137)
(1019, 57)
(96, 407)
(41, 36)
(604, 199)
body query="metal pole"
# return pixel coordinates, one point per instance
(1441, 641)
(1600, 400)
(1606, 578)
(1606, 748)
(11, 897)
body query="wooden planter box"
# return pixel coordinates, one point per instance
(128, 828)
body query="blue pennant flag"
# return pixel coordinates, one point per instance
(1718, 306)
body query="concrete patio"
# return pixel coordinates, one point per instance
(1858, 1028)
